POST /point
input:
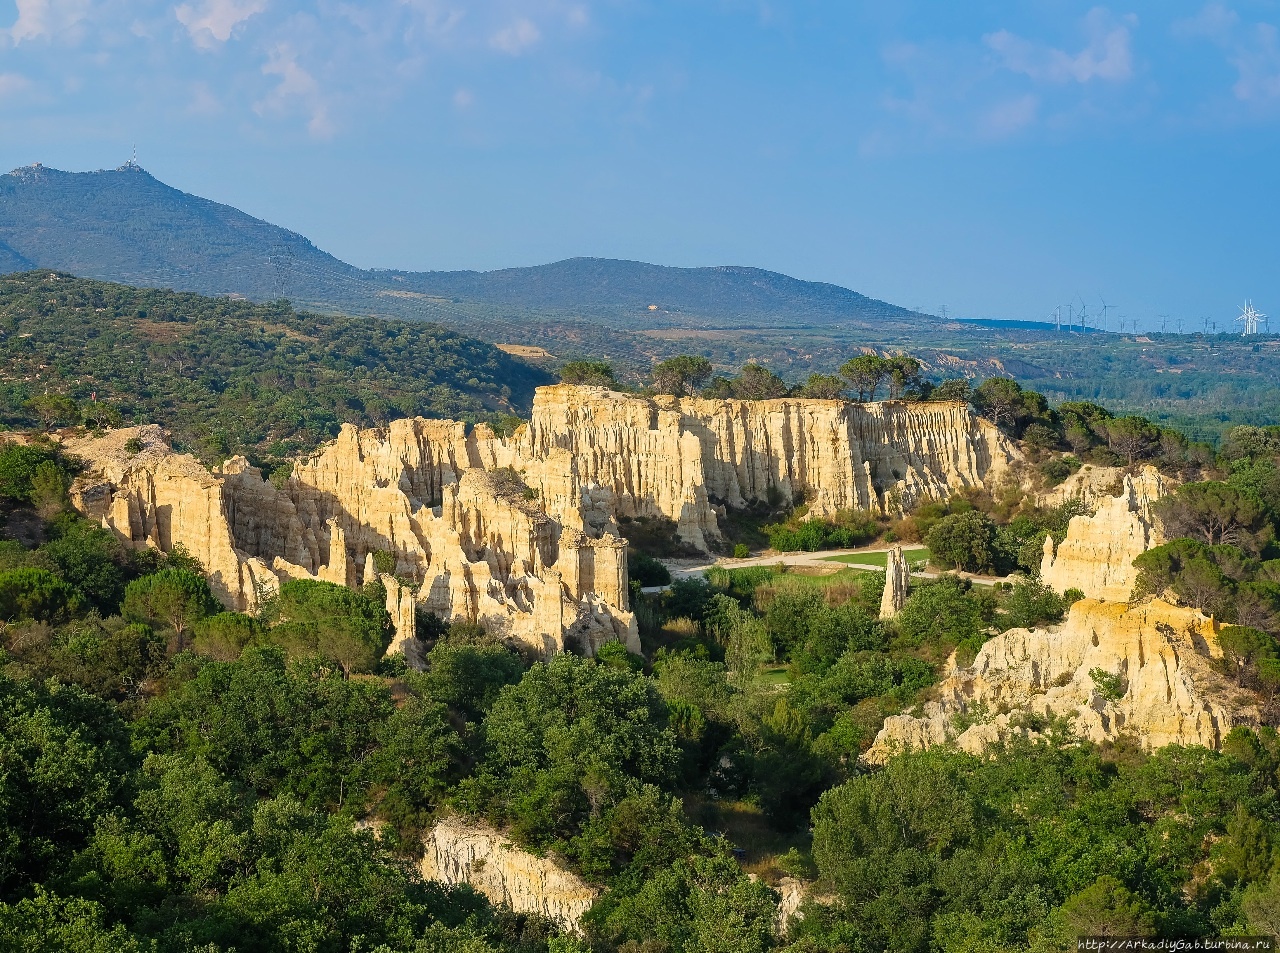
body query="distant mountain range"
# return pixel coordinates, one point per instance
(125, 225)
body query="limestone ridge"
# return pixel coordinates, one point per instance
(1097, 554)
(686, 458)
(521, 534)
(456, 852)
(1160, 653)
(464, 547)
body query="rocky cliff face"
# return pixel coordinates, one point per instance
(520, 534)
(1097, 554)
(465, 544)
(1164, 692)
(633, 456)
(457, 852)
(1090, 484)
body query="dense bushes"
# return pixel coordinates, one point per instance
(1040, 844)
(846, 530)
(548, 766)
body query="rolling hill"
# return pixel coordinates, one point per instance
(229, 376)
(125, 225)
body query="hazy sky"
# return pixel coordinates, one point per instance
(997, 158)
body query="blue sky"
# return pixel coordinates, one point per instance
(997, 158)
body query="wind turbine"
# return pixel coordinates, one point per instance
(1105, 308)
(1251, 317)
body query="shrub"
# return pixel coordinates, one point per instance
(1109, 686)
(943, 613)
(18, 466)
(224, 636)
(322, 618)
(1032, 603)
(963, 541)
(177, 598)
(646, 570)
(36, 594)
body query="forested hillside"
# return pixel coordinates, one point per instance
(178, 777)
(229, 376)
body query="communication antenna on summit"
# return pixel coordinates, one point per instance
(1251, 317)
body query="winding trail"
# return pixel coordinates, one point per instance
(819, 563)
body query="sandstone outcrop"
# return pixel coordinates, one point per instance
(1164, 689)
(897, 580)
(458, 852)
(464, 543)
(1097, 554)
(1090, 484)
(624, 455)
(521, 534)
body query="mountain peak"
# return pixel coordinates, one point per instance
(125, 225)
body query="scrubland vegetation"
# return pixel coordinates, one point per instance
(179, 777)
(227, 376)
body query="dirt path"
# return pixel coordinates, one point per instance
(819, 562)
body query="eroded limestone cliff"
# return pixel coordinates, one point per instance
(615, 454)
(461, 852)
(1164, 691)
(1097, 554)
(521, 533)
(465, 544)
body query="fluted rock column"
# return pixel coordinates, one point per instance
(897, 580)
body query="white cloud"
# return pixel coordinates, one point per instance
(516, 37)
(1258, 63)
(210, 22)
(297, 89)
(37, 18)
(1216, 21)
(1253, 51)
(1107, 56)
(11, 84)
(463, 99)
(1008, 117)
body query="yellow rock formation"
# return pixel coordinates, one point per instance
(458, 852)
(521, 534)
(1097, 554)
(1160, 654)
(680, 458)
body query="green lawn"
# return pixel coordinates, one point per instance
(775, 675)
(879, 559)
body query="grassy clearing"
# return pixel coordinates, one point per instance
(744, 825)
(775, 675)
(917, 555)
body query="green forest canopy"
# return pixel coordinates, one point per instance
(228, 376)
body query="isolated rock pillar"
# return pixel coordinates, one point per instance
(897, 579)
